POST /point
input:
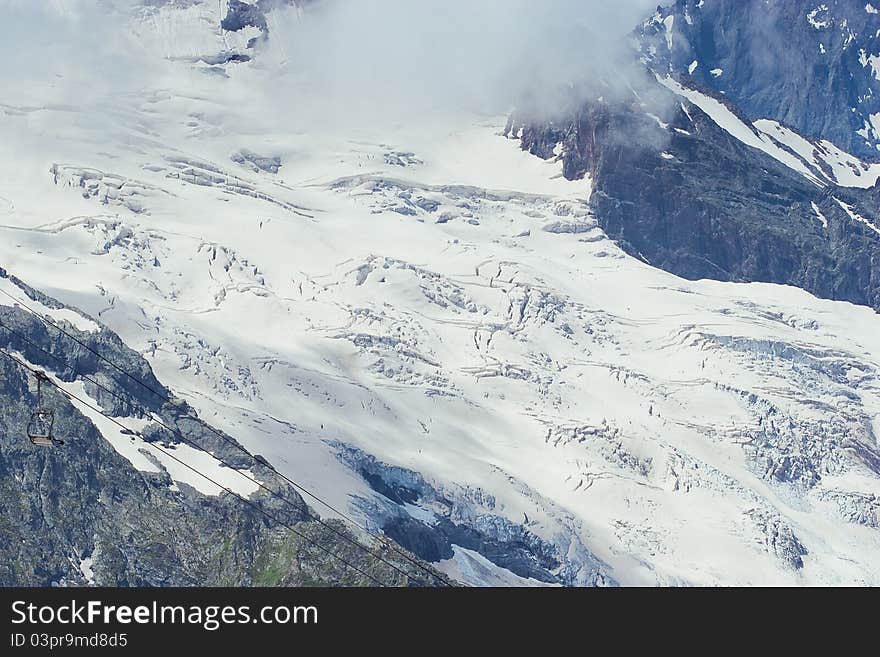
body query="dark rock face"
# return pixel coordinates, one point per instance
(519, 552)
(442, 523)
(419, 538)
(240, 15)
(805, 64)
(84, 503)
(678, 191)
(712, 207)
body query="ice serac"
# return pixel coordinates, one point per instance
(812, 65)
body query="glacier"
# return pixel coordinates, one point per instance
(426, 325)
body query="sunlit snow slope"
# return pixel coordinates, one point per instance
(429, 310)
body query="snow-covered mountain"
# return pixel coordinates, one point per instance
(812, 65)
(494, 340)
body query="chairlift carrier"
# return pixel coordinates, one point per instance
(42, 420)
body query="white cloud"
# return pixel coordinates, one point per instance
(404, 56)
(351, 60)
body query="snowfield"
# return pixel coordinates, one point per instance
(430, 297)
(821, 162)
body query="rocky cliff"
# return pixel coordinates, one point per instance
(83, 513)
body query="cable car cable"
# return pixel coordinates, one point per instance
(42, 420)
(201, 474)
(225, 438)
(177, 432)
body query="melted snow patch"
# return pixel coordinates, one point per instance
(86, 567)
(817, 21)
(727, 120)
(784, 145)
(65, 315)
(873, 61)
(669, 22)
(819, 215)
(855, 216)
(226, 478)
(847, 170)
(146, 457)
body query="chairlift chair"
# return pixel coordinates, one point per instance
(42, 420)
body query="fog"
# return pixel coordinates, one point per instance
(71, 50)
(405, 57)
(343, 60)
